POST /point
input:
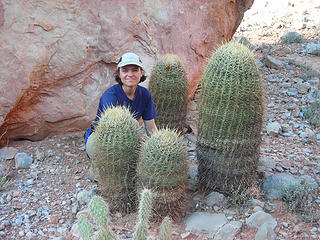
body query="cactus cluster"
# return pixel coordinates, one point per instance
(162, 167)
(230, 119)
(99, 212)
(117, 140)
(169, 89)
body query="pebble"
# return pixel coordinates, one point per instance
(23, 160)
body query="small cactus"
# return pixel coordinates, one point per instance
(145, 207)
(162, 168)
(166, 229)
(230, 119)
(84, 228)
(99, 211)
(169, 89)
(117, 140)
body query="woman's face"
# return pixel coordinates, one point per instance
(130, 75)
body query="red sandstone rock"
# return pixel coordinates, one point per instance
(57, 57)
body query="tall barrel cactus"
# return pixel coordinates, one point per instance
(230, 119)
(162, 167)
(117, 140)
(169, 89)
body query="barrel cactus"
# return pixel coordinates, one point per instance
(162, 167)
(169, 89)
(117, 140)
(230, 119)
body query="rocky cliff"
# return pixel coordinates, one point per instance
(57, 57)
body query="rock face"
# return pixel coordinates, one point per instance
(57, 57)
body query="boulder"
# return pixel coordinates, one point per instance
(58, 57)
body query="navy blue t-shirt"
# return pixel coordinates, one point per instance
(141, 105)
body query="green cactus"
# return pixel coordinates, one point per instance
(169, 89)
(145, 207)
(99, 210)
(166, 229)
(84, 228)
(230, 119)
(117, 140)
(162, 167)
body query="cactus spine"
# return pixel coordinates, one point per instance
(162, 168)
(230, 119)
(169, 89)
(117, 140)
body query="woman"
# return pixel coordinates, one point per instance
(126, 93)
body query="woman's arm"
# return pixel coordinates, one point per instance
(150, 126)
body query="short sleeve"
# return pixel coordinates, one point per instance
(150, 111)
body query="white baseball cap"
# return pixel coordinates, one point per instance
(128, 59)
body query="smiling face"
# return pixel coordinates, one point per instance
(130, 75)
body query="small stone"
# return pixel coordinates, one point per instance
(23, 160)
(244, 41)
(274, 184)
(314, 229)
(303, 88)
(292, 92)
(313, 48)
(8, 153)
(273, 128)
(215, 198)
(271, 62)
(267, 162)
(291, 37)
(259, 218)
